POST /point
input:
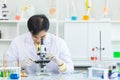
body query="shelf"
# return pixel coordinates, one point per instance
(94, 21)
(13, 21)
(83, 21)
(8, 40)
(55, 20)
(88, 21)
(115, 40)
(61, 21)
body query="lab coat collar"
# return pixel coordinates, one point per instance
(29, 41)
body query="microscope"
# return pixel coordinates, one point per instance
(42, 61)
(4, 12)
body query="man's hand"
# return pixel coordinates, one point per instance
(54, 59)
(61, 65)
(26, 62)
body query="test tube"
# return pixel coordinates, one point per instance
(5, 73)
(8, 73)
(1, 74)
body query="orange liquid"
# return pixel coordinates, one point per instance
(52, 10)
(105, 10)
(86, 17)
(23, 73)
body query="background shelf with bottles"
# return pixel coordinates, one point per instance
(58, 12)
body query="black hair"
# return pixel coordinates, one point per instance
(37, 23)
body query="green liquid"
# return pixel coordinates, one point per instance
(1, 74)
(8, 73)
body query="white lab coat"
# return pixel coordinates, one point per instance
(23, 47)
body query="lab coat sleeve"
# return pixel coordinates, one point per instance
(11, 54)
(65, 56)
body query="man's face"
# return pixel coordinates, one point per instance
(37, 38)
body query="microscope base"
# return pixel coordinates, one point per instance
(43, 73)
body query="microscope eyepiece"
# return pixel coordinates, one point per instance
(42, 41)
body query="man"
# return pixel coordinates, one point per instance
(23, 48)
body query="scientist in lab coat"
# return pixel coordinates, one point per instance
(23, 48)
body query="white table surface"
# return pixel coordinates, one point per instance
(82, 75)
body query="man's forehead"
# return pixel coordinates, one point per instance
(40, 35)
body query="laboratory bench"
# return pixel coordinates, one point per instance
(80, 73)
(77, 75)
